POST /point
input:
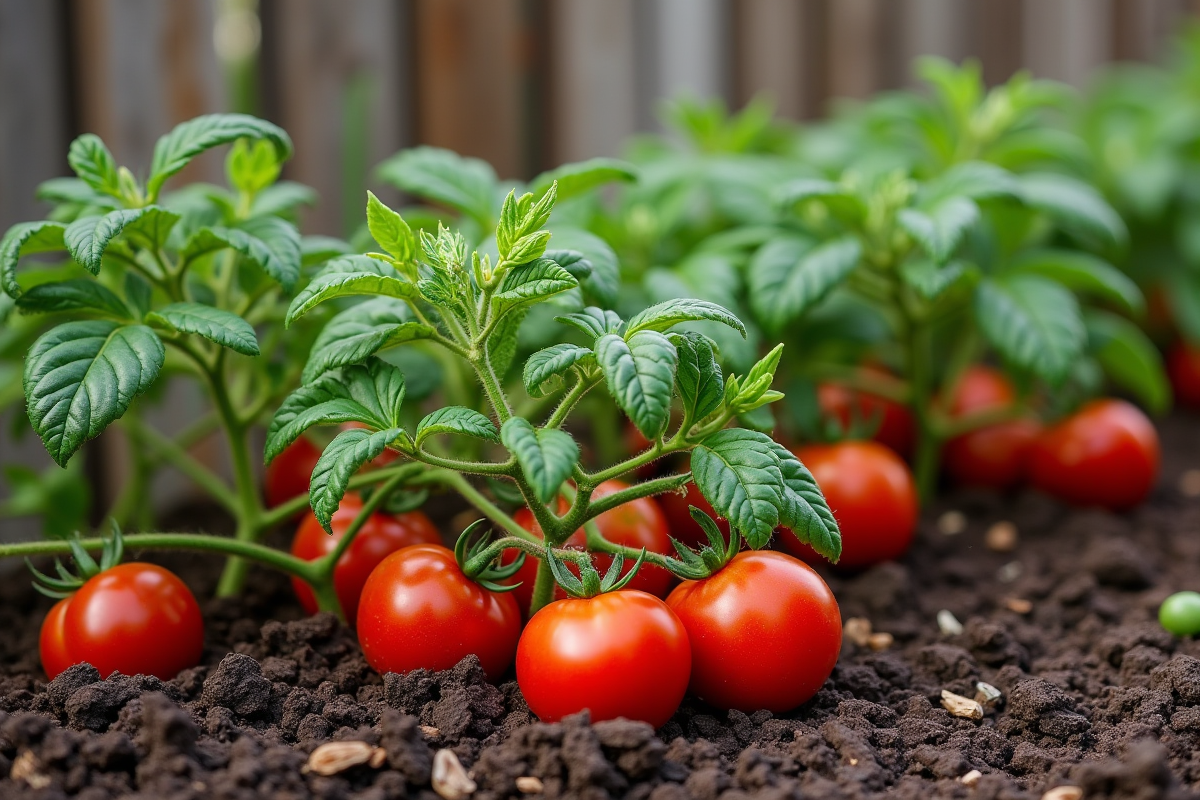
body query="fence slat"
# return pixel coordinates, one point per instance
(773, 56)
(1066, 39)
(932, 27)
(855, 56)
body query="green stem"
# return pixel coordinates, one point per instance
(458, 483)
(581, 387)
(543, 588)
(644, 489)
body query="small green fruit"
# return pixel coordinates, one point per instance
(1180, 614)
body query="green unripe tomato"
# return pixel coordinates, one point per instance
(1180, 614)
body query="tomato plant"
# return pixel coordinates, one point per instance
(287, 477)
(992, 455)
(1106, 454)
(765, 615)
(380, 536)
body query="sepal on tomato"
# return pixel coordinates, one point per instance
(480, 562)
(67, 582)
(694, 565)
(589, 583)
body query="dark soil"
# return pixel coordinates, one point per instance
(1095, 694)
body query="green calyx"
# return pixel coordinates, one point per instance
(67, 582)
(589, 583)
(694, 565)
(479, 560)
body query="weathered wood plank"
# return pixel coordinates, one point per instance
(772, 56)
(1066, 39)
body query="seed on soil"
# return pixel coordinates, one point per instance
(334, 757)
(1189, 483)
(961, 706)
(948, 623)
(1064, 793)
(952, 523)
(450, 779)
(528, 784)
(858, 630)
(971, 778)
(880, 641)
(25, 768)
(1018, 605)
(1009, 572)
(987, 694)
(1001, 537)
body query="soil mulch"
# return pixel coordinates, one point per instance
(1094, 693)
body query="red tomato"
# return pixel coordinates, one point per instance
(765, 632)
(134, 619)
(378, 462)
(639, 523)
(679, 519)
(418, 611)
(1183, 367)
(872, 495)
(896, 428)
(288, 475)
(620, 654)
(380, 536)
(1106, 454)
(997, 455)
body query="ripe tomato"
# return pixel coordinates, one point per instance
(1183, 367)
(134, 618)
(1106, 454)
(418, 611)
(872, 496)
(620, 654)
(765, 632)
(996, 455)
(639, 524)
(288, 475)
(896, 428)
(679, 519)
(380, 536)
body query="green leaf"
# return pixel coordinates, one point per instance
(602, 285)
(581, 177)
(215, 324)
(189, 139)
(270, 243)
(252, 167)
(456, 419)
(138, 294)
(805, 511)
(940, 227)
(339, 462)
(593, 322)
(790, 275)
(346, 276)
(361, 331)
(281, 199)
(502, 345)
(531, 283)
(546, 455)
(550, 363)
(1085, 274)
(23, 239)
(88, 237)
(91, 160)
(1076, 206)
(80, 376)
(738, 472)
(977, 180)
(390, 230)
(76, 294)
(152, 228)
(572, 261)
(315, 249)
(662, 316)
(467, 185)
(1129, 359)
(72, 191)
(842, 204)
(930, 279)
(1033, 322)
(371, 393)
(640, 374)
(698, 377)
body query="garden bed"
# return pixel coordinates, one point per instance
(1095, 693)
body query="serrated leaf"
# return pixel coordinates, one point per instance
(80, 376)
(1033, 322)
(456, 419)
(1129, 358)
(1076, 206)
(215, 324)
(593, 322)
(551, 362)
(347, 276)
(738, 472)
(23, 239)
(152, 228)
(467, 185)
(531, 283)
(805, 511)
(791, 274)
(940, 227)
(640, 374)
(581, 177)
(76, 294)
(698, 376)
(270, 243)
(1085, 274)
(339, 462)
(572, 261)
(502, 346)
(602, 286)
(390, 230)
(546, 455)
(360, 332)
(189, 139)
(88, 237)
(930, 279)
(91, 160)
(664, 315)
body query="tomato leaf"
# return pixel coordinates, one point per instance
(390, 230)
(1076, 206)
(738, 472)
(340, 460)
(583, 176)
(91, 160)
(23, 239)
(669, 313)
(930, 279)
(602, 285)
(88, 237)
(346, 276)
(502, 345)
(1129, 359)
(1085, 274)
(546, 455)
(80, 376)
(270, 243)
(545, 365)
(593, 322)
(939, 227)
(360, 332)
(467, 185)
(791, 274)
(76, 294)
(640, 374)
(456, 419)
(976, 180)
(698, 378)
(189, 139)
(844, 205)
(805, 511)
(1033, 322)
(531, 283)
(215, 324)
